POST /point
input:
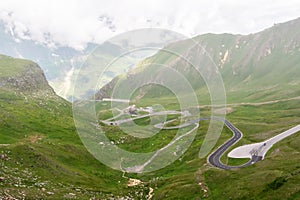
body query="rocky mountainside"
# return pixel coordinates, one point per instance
(255, 67)
(261, 76)
(41, 155)
(23, 76)
(55, 62)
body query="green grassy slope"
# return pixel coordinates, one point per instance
(256, 67)
(43, 158)
(41, 153)
(259, 68)
(11, 66)
(276, 177)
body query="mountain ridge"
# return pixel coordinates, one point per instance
(246, 62)
(23, 76)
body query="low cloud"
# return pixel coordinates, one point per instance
(74, 23)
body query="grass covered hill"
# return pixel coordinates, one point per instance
(261, 76)
(41, 155)
(256, 67)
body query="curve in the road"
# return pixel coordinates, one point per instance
(214, 158)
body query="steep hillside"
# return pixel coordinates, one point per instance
(23, 77)
(55, 62)
(261, 75)
(256, 67)
(41, 155)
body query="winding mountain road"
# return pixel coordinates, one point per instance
(214, 158)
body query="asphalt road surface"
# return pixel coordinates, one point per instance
(214, 158)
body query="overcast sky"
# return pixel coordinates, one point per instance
(74, 23)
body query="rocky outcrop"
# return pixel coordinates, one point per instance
(28, 79)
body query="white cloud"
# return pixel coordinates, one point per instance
(74, 23)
